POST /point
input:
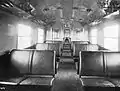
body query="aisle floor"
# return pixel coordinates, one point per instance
(66, 78)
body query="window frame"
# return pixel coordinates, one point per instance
(111, 36)
(23, 36)
(93, 35)
(40, 35)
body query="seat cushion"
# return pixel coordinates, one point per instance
(38, 81)
(11, 81)
(96, 82)
(115, 81)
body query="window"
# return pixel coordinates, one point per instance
(24, 42)
(77, 35)
(67, 33)
(111, 43)
(111, 31)
(40, 35)
(111, 37)
(24, 36)
(93, 36)
(55, 34)
(93, 40)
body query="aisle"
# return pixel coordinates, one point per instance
(67, 78)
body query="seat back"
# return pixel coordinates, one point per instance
(66, 46)
(20, 62)
(4, 62)
(112, 61)
(43, 62)
(42, 46)
(48, 46)
(91, 63)
(80, 42)
(92, 47)
(55, 47)
(84, 47)
(50, 41)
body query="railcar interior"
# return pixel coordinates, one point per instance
(59, 45)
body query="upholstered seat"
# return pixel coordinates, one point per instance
(96, 82)
(115, 81)
(12, 81)
(48, 46)
(38, 81)
(92, 72)
(112, 61)
(84, 47)
(22, 67)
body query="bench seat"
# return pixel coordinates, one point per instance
(12, 81)
(96, 69)
(38, 81)
(96, 82)
(115, 81)
(26, 68)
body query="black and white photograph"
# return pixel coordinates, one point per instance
(59, 45)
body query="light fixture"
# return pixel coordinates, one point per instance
(112, 14)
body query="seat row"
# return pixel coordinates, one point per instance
(27, 70)
(33, 70)
(74, 42)
(73, 53)
(49, 46)
(76, 48)
(84, 47)
(99, 71)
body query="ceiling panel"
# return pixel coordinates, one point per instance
(81, 11)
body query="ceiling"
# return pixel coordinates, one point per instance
(53, 13)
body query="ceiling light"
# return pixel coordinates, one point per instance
(112, 14)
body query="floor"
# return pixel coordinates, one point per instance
(66, 78)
